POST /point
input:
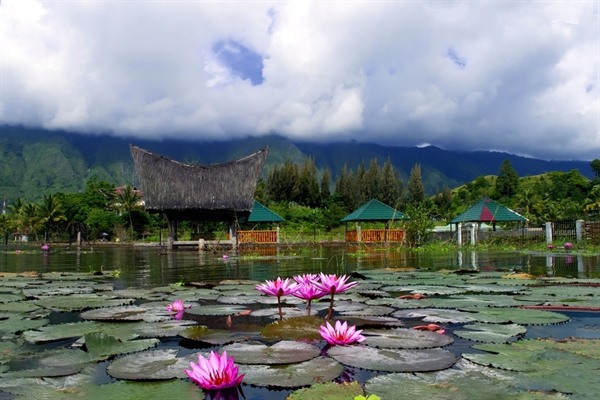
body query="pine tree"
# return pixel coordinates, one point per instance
(416, 191)
(325, 183)
(372, 181)
(308, 186)
(391, 185)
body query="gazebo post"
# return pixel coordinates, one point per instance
(459, 233)
(172, 228)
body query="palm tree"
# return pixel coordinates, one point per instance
(128, 199)
(50, 213)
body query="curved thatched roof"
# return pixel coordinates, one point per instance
(198, 190)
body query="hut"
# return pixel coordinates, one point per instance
(219, 192)
(259, 215)
(374, 211)
(488, 211)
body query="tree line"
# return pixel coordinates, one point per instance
(305, 195)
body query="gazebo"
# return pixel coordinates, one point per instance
(219, 192)
(261, 214)
(374, 211)
(488, 211)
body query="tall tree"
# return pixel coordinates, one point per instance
(308, 186)
(372, 181)
(596, 167)
(507, 183)
(50, 213)
(416, 191)
(391, 185)
(127, 199)
(325, 183)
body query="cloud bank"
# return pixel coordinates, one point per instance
(520, 77)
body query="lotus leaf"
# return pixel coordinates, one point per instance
(144, 294)
(476, 300)
(405, 339)
(65, 331)
(400, 303)
(457, 383)
(426, 290)
(365, 310)
(521, 316)
(392, 360)
(149, 365)
(491, 333)
(306, 327)
(283, 352)
(317, 370)
(10, 297)
(239, 299)
(287, 312)
(328, 391)
(216, 310)
(17, 322)
(167, 328)
(125, 313)
(26, 306)
(80, 302)
(437, 315)
(101, 345)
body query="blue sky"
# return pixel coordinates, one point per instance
(519, 77)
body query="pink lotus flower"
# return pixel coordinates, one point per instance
(342, 334)
(278, 288)
(177, 306)
(568, 246)
(307, 291)
(215, 373)
(550, 247)
(333, 284)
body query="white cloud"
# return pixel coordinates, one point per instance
(520, 77)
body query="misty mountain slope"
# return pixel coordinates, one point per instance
(34, 162)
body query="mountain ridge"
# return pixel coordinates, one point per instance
(34, 162)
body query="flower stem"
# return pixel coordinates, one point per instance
(330, 313)
(279, 306)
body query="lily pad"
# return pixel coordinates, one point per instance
(462, 382)
(520, 316)
(216, 310)
(80, 302)
(101, 345)
(491, 333)
(306, 327)
(328, 391)
(317, 370)
(149, 365)
(405, 339)
(393, 360)
(125, 313)
(283, 352)
(437, 315)
(17, 322)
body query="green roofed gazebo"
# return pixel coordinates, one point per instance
(261, 214)
(490, 212)
(374, 211)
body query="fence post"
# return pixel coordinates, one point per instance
(548, 232)
(459, 234)
(579, 228)
(473, 229)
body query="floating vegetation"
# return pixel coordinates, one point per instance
(58, 329)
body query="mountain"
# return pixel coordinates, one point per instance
(34, 162)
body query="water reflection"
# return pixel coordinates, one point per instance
(151, 266)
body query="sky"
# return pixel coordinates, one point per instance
(515, 76)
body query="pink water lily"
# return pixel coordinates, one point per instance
(568, 246)
(177, 306)
(216, 372)
(342, 334)
(333, 284)
(279, 287)
(307, 291)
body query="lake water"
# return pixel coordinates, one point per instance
(147, 266)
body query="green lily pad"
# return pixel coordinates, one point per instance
(216, 310)
(124, 313)
(438, 316)
(131, 390)
(101, 345)
(328, 391)
(393, 360)
(25, 306)
(543, 367)
(10, 297)
(405, 339)
(491, 333)
(17, 322)
(306, 327)
(283, 352)
(520, 316)
(149, 365)
(80, 302)
(462, 382)
(317, 370)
